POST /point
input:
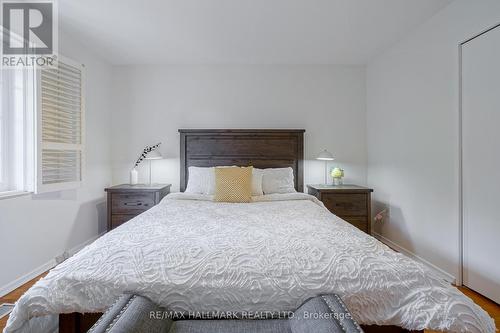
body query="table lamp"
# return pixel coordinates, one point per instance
(152, 155)
(326, 156)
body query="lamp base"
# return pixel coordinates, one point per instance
(326, 173)
(150, 173)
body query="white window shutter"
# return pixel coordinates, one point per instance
(61, 115)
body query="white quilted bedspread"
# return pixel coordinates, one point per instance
(198, 255)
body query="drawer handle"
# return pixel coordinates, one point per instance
(344, 204)
(135, 204)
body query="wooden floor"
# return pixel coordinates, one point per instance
(489, 306)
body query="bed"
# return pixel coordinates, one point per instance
(191, 254)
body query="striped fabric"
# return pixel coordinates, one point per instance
(233, 184)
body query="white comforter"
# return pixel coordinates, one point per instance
(198, 255)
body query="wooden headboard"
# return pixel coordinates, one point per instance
(261, 148)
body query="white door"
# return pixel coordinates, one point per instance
(481, 163)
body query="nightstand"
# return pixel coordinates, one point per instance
(127, 201)
(351, 203)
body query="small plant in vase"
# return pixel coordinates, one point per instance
(337, 175)
(145, 152)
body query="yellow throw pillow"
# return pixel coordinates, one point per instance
(233, 184)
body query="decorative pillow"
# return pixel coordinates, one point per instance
(257, 175)
(233, 184)
(201, 180)
(278, 180)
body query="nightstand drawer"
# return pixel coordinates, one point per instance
(127, 201)
(117, 220)
(349, 202)
(359, 222)
(131, 203)
(346, 204)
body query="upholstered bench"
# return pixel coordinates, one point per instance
(131, 313)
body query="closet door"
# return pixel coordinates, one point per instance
(481, 163)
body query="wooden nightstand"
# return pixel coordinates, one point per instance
(351, 203)
(127, 201)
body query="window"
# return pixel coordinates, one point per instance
(61, 127)
(41, 128)
(17, 142)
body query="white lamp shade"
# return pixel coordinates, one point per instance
(153, 155)
(325, 155)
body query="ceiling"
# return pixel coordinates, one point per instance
(242, 31)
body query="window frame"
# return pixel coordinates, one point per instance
(28, 135)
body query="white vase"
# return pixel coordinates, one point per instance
(134, 175)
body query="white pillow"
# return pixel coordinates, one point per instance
(257, 175)
(278, 180)
(201, 180)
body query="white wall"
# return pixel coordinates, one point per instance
(412, 132)
(152, 102)
(35, 229)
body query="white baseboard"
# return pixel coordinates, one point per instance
(443, 274)
(4, 290)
